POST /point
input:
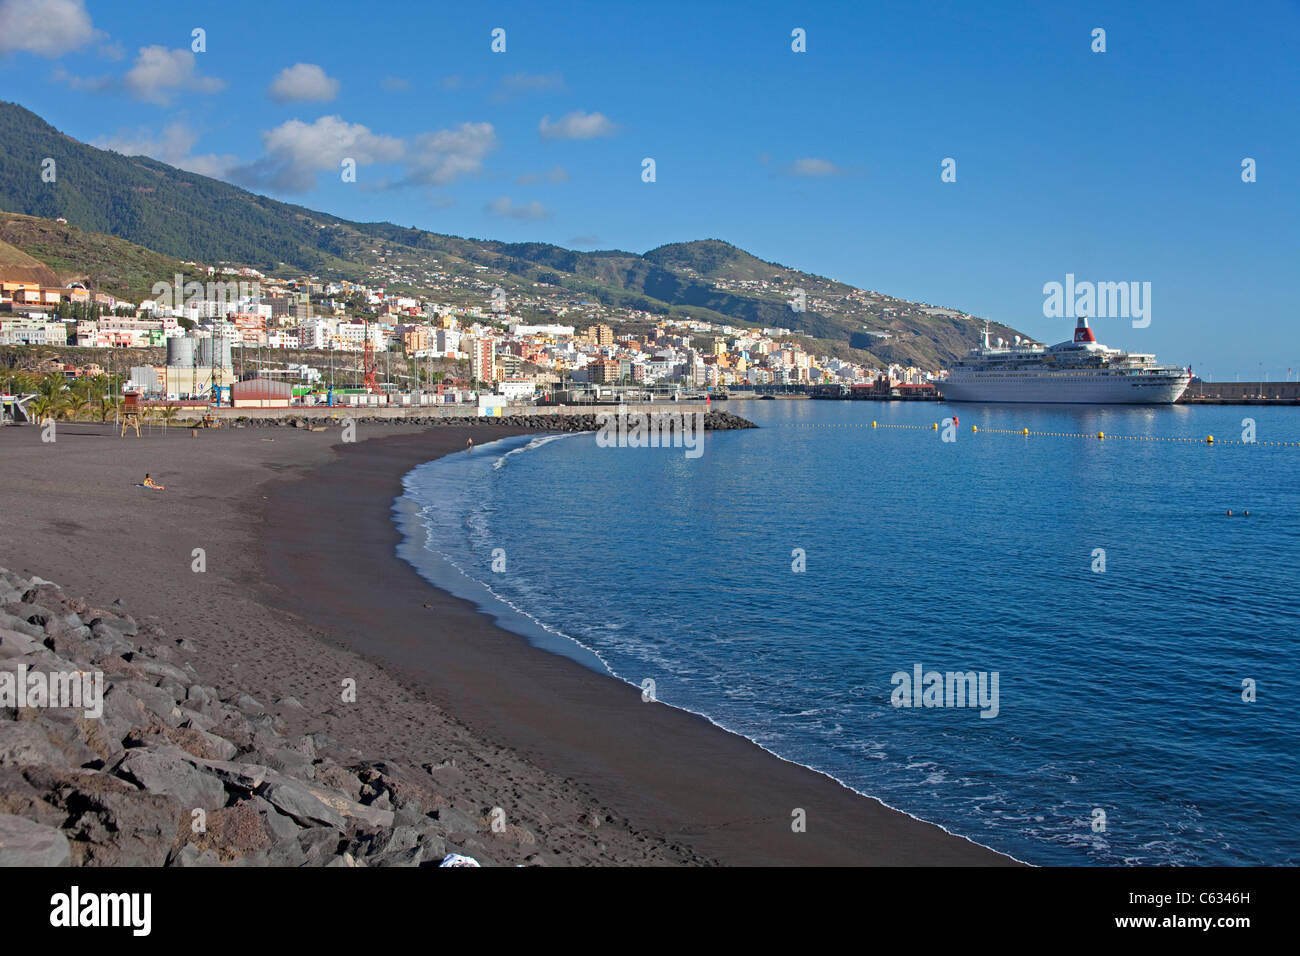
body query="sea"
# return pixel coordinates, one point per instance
(1130, 649)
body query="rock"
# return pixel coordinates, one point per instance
(277, 825)
(16, 643)
(413, 856)
(160, 771)
(14, 622)
(147, 700)
(235, 776)
(249, 705)
(26, 742)
(191, 855)
(192, 719)
(297, 801)
(318, 845)
(24, 842)
(19, 797)
(232, 833)
(125, 829)
(380, 842)
(193, 741)
(102, 737)
(455, 821)
(159, 669)
(332, 775)
(288, 762)
(306, 796)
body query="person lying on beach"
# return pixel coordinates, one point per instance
(150, 483)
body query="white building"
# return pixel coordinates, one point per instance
(516, 389)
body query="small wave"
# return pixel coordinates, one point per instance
(535, 443)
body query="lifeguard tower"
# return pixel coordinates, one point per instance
(131, 412)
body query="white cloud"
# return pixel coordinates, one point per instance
(92, 84)
(303, 82)
(396, 83)
(439, 158)
(557, 175)
(172, 146)
(44, 27)
(812, 167)
(522, 84)
(296, 152)
(576, 125)
(502, 206)
(160, 73)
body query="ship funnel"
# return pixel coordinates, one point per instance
(1081, 331)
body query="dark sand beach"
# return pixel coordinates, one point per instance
(302, 590)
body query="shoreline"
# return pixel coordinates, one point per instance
(659, 765)
(303, 587)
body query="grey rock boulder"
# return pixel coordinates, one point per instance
(162, 771)
(24, 842)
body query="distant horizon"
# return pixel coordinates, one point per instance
(1163, 159)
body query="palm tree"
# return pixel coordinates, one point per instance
(20, 383)
(108, 407)
(44, 407)
(168, 414)
(51, 385)
(76, 404)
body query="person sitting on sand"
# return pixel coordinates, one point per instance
(150, 483)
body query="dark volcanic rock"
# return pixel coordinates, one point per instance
(24, 842)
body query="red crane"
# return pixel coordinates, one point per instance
(368, 363)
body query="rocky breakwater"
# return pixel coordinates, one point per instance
(584, 422)
(113, 752)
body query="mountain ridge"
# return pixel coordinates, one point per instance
(179, 215)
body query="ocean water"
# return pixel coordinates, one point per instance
(1120, 691)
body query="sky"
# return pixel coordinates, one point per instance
(1122, 165)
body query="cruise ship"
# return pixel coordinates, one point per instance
(1081, 371)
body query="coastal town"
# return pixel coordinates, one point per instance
(227, 336)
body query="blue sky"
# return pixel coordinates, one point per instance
(1115, 166)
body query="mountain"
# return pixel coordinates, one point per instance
(65, 253)
(18, 266)
(180, 215)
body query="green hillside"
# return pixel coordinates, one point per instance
(184, 216)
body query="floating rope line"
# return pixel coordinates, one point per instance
(1027, 433)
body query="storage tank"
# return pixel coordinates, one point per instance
(180, 351)
(215, 352)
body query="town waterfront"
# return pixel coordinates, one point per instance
(780, 582)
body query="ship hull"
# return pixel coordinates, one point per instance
(1066, 388)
